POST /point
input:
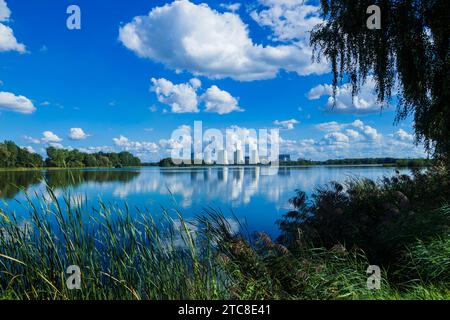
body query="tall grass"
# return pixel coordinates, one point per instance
(122, 253)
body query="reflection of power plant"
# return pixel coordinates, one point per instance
(229, 185)
(222, 174)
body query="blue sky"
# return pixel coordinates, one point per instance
(137, 70)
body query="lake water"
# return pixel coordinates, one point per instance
(249, 193)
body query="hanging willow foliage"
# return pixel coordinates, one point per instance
(409, 56)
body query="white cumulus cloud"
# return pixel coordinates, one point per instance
(286, 124)
(30, 149)
(364, 102)
(139, 148)
(56, 145)
(353, 140)
(219, 101)
(335, 138)
(50, 137)
(186, 98)
(97, 149)
(8, 41)
(5, 13)
(402, 135)
(321, 90)
(10, 102)
(121, 141)
(195, 38)
(231, 6)
(77, 134)
(330, 126)
(356, 130)
(32, 140)
(182, 98)
(288, 19)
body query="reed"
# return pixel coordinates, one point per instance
(123, 253)
(126, 253)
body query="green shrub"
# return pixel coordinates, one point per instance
(379, 218)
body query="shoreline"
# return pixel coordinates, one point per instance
(393, 165)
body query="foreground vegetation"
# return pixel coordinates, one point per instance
(401, 224)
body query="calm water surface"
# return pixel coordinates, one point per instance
(248, 192)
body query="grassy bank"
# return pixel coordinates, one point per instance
(326, 244)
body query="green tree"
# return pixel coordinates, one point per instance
(113, 159)
(128, 160)
(103, 161)
(12, 156)
(4, 156)
(56, 157)
(75, 159)
(13, 150)
(90, 161)
(26, 159)
(62, 158)
(166, 162)
(411, 50)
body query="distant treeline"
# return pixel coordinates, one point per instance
(62, 158)
(167, 162)
(366, 161)
(12, 156)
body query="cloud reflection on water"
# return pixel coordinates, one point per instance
(245, 191)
